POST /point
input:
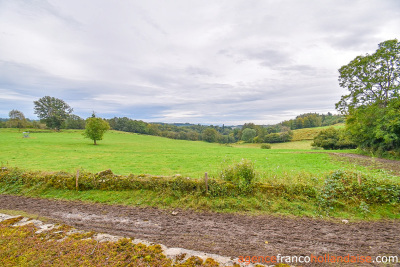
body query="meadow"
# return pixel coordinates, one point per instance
(292, 178)
(127, 153)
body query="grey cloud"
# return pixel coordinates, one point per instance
(208, 62)
(198, 71)
(269, 57)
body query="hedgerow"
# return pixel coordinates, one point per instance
(339, 185)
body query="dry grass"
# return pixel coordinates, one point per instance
(310, 133)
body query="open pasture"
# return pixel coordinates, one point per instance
(126, 153)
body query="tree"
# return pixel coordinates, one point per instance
(95, 128)
(372, 106)
(248, 135)
(371, 78)
(210, 135)
(52, 111)
(17, 119)
(74, 122)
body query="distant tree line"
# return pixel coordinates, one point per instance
(249, 132)
(55, 114)
(310, 120)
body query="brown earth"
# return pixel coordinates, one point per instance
(391, 166)
(230, 235)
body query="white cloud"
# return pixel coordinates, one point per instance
(198, 61)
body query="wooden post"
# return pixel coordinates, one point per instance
(359, 179)
(206, 182)
(76, 182)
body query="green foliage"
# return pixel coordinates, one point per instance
(74, 122)
(333, 138)
(310, 120)
(210, 135)
(17, 119)
(371, 78)
(240, 173)
(351, 186)
(248, 135)
(95, 128)
(376, 129)
(278, 137)
(265, 146)
(372, 106)
(16, 180)
(52, 111)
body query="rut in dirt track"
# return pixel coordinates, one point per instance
(224, 234)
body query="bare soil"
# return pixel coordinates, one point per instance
(391, 166)
(231, 235)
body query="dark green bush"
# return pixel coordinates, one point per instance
(332, 138)
(265, 146)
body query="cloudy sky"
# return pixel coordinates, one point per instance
(204, 61)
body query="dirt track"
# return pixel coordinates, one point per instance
(223, 234)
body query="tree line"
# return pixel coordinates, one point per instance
(310, 120)
(56, 114)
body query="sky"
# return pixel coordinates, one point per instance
(204, 61)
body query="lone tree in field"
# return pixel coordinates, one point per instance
(52, 111)
(95, 128)
(372, 107)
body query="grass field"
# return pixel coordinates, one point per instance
(126, 153)
(310, 133)
(288, 164)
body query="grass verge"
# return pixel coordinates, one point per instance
(325, 205)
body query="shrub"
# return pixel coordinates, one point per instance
(332, 138)
(265, 146)
(345, 185)
(242, 172)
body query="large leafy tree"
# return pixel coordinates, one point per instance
(372, 105)
(95, 129)
(52, 111)
(371, 78)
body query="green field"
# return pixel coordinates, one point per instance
(126, 153)
(285, 166)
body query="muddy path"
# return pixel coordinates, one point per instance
(224, 234)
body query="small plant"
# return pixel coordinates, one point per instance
(265, 146)
(242, 172)
(364, 207)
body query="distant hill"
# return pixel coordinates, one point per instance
(310, 133)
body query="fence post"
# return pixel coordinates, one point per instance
(76, 182)
(206, 182)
